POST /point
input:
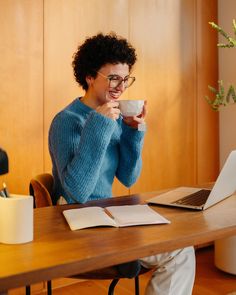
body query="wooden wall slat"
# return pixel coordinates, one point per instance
(21, 81)
(207, 74)
(166, 71)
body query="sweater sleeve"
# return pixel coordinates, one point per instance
(130, 162)
(78, 151)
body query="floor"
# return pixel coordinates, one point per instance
(209, 281)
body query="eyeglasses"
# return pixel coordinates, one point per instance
(115, 80)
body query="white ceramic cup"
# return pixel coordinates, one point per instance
(131, 108)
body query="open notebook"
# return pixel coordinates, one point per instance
(200, 198)
(117, 216)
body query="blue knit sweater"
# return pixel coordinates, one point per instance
(88, 150)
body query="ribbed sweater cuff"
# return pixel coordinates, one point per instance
(129, 132)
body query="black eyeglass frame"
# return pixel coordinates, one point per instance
(110, 78)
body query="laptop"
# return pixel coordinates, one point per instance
(200, 198)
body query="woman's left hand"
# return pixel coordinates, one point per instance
(136, 120)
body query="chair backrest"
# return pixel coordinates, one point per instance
(41, 188)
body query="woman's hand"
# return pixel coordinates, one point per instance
(110, 110)
(136, 120)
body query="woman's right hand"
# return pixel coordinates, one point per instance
(110, 110)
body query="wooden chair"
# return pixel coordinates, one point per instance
(41, 188)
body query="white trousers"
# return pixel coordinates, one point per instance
(174, 272)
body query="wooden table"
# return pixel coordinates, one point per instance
(59, 252)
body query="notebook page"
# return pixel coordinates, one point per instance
(129, 215)
(87, 217)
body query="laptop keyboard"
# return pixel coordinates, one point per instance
(196, 199)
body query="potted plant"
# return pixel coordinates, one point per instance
(222, 97)
(225, 249)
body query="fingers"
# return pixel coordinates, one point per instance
(113, 104)
(134, 123)
(110, 110)
(133, 120)
(136, 120)
(144, 113)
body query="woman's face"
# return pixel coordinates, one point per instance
(105, 87)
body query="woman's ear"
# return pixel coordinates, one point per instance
(89, 80)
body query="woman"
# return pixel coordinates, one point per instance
(90, 143)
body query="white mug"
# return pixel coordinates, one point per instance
(130, 108)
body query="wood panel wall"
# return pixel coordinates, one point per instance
(177, 59)
(21, 90)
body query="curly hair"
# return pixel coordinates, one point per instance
(99, 50)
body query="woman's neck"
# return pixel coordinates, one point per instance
(89, 101)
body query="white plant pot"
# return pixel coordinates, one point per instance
(227, 135)
(225, 249)
(225, 254)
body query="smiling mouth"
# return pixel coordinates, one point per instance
(114, 94)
